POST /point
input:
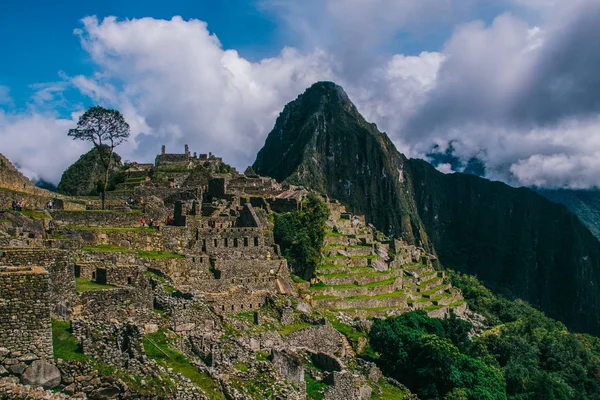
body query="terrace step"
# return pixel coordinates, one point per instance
(394, 299)
(362, 278)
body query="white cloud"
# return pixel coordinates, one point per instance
(175, 80)
(519, 96)
(38, 143)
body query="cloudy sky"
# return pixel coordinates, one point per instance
(513, 83)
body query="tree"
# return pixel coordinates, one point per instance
(106, 129)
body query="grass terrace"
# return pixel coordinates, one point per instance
(159, 254)
(34, 214)
(108, 248)
(356, 275)
(84, 285)
(353, 286)
(378, 296)
(287, 329)
(157, 347)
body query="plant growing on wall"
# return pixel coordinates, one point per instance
(106, 129)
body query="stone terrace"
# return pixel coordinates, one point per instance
(364, 273)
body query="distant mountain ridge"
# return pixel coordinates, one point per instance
(515, 240)
(585, 203)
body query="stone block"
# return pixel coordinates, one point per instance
(41, 373)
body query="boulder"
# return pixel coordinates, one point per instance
(41, 373)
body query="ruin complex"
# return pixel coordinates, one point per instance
(186, 252)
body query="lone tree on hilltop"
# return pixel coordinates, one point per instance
(106, 129)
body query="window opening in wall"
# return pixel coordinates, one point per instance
(245, 242)
(222, 308)
(216, 243)
(232, 307)
(235, 242)
(241, 306)
(93, 275)
(193, 259)
(129, 280)
(225, 242)
(250, 305)
(255, 242)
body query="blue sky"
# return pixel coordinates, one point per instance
(510, 82)
(43, 43)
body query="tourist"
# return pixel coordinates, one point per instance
(169, 220)
(151, 223)
(50, 227)
(142, 222)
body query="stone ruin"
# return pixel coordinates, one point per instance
(115, 282)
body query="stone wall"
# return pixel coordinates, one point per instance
(118, 304)
(149, 239)
(236, 300)
(61, 282)
(25, 326)
(95, 218)
(319, 339)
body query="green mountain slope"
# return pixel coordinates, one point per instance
(515, 240)
(83, 176)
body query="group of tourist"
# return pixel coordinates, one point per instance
(50, 205)
(150, 223)
(134, 201)
(18, 205)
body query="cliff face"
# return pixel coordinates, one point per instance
(516, 241)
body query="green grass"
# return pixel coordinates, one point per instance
(297, 279)
(353, 286)
(287, 329)
(457, 303)
(34, 214)
(357, 275)
(84, 285)
(168, 288)
(388, 391)
(370, 257)
(240, 366)
(326, 266)
(262, 355)
(108, 248)
(3, 221)
(360, 246)
(325, 297)
(332, 233)
(432, 308)
(391, 295)
(159, 254)
(157, 347)
(314, 388)
(64, 343)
